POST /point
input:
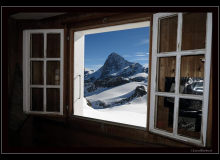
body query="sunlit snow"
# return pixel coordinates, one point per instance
(132, 113)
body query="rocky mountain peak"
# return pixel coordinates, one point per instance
(113, 63)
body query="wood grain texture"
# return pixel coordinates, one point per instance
(37, 99)
(167, 68)
(12, 53)
(162, 120)
(53, 45)
(37, 46)
(192, 66)
(194, 31)
(37, 72)
(52, 66)
(53, 100)
(168, 34)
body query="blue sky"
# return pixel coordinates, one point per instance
(131, 44)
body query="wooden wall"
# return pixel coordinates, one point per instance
(12, 53)
(85, 132)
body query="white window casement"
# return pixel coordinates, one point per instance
(176, 54)
(79, 43)
(43, 53)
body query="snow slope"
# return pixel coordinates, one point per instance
(135, 115)
(132, 113)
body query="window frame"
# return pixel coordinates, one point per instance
(178, 54)
(79, 34)
(26, 70)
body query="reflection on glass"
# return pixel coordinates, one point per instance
(36, 99)
(53, 73)
(53, 45)
(192, 74)
(164, 112)
(168, 34)
(189, 85)
(166, 75)
(189, 118)
(37, 46)
(53, 100)
(37, 72)
(194, 31)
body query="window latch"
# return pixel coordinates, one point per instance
(67, 39)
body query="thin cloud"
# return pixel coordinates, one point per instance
(146, 65)
(126, 55)
(94, 59)
(139, 55)
(141, 59)
(144, 41)
(94, 67)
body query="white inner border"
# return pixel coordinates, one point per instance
(78, 72)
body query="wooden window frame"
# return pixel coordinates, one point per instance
(26, 70)
(178, 54)
(77, 40)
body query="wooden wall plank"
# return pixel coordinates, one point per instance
(37, 46)
(12, 53)
(37, 72)
(168, 34)
(167, 68)
(194, 31)
(53, 45)
(111, 20)
(192, 66)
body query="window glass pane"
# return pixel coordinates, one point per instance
(167, 34)
(37, 72)
(194, 31)
(164, 113)
(192, 74)
(53, 73)
(53, 100)
(37, 46)
(166, 74)
(36, 99)
(53, 45)
(189, 118)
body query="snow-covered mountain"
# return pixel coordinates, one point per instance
(117, 92)
(116, 66)
(87, 72)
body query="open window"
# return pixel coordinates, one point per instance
(43, 71)
(180, 75)
(109, 93)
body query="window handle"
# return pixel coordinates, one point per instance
(79, 86)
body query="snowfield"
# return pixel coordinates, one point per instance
(132, 113)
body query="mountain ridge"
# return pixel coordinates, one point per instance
(116, 65)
